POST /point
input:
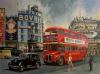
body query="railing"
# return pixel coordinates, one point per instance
(97, 52)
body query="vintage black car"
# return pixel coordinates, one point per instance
(24, 61)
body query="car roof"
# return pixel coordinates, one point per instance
(31, 53)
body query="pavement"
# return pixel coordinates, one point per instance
(80, 68)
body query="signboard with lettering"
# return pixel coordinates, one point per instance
(24, 27)
(76, 41)
(26, 17)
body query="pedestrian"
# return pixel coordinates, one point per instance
(95, 52)
(91, 61)
(70, 64)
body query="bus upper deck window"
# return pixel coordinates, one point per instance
(47, 33)
(50, 33)
(61, 32)
(53, 32)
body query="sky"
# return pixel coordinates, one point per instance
(56, 12)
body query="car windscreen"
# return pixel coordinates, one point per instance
(22, 55)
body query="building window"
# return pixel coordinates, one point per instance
(39, 14)
(36, 28)
(32, 24)
(35, 19)
(32, 12)
(22, 37)
(37, 38)
(39, 20)
(21, 23)
(36, 13)
(22, 31)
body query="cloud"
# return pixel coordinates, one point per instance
(79, 9)
(96, 11)
(56, 12)
(10, 6)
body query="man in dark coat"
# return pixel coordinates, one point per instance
(91, 62)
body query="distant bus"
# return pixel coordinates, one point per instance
(60, 42)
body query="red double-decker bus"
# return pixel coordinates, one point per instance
(60, 42)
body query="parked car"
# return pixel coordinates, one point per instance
(24, 61)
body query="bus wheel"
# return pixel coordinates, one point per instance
(60, 62)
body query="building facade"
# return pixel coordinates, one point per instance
(2, 27)
(30, 29)
(90, 28)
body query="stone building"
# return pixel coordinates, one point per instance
(90, 28)
(30, 28)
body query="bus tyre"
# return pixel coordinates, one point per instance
(60, 62)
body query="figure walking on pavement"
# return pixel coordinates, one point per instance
(91, 61)
(70, 64)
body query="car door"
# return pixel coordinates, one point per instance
(34, 59)
(28, 60)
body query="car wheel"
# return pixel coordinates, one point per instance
(10, 68)
(21, 68)
(60, 62)
(37, 65)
